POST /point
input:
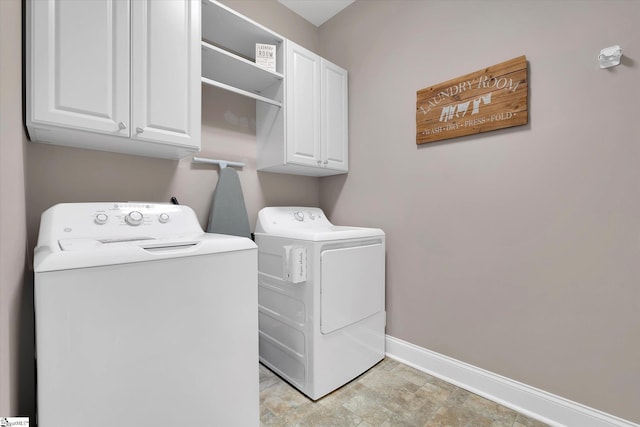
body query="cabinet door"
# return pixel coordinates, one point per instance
(302, 106)
(79, 64)
(165, 83)
(334, 117)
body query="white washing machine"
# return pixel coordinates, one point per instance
(321, 298)
(142, 319)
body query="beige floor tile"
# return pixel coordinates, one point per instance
(321, 416)
(458, 397)
(501, 415)
(412, 375)
(342, 395)
(390, 394)
(280, 398)
(435, 393)
(524, 421)
(457, 416)
(387, 364)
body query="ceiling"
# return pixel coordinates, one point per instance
(316, 11)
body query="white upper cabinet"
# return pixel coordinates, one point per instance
(314, 137)
(115, 75)
(334, 116)
(80, 64)
(165, 55)
(302, 107)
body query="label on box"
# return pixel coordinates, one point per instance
(266, 56)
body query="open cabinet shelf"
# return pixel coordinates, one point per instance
(228, 54)
(227, 70)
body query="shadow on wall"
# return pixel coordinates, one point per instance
(272, 185)
(26, 365)
(225, 110)
(330, 191)
(625, 61)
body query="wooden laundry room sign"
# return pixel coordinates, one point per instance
(493, 98)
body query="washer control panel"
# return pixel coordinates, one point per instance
(134, 215)
(130, 219)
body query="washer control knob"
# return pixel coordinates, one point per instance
(312, 215)
(163, 217)
(101, 218)
(299, 216)
(134, 218)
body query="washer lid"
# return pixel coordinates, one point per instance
(305, 223)
(76, 253)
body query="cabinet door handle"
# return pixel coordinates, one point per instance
(139, 130)
(319, 161)
(326, 162)
(122, 126)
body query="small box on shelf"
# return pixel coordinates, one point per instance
(266, 56)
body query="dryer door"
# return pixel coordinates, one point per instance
(352, 285)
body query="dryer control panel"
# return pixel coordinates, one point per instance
(273, 218)
(306, 224)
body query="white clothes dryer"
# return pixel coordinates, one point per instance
(142, 319)
(321, 298)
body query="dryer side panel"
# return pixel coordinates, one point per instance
(352, 285)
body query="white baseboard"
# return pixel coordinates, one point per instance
(541, 405)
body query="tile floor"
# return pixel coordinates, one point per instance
(389, 394)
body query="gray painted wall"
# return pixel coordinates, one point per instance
(516, 251)
(15, 375)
